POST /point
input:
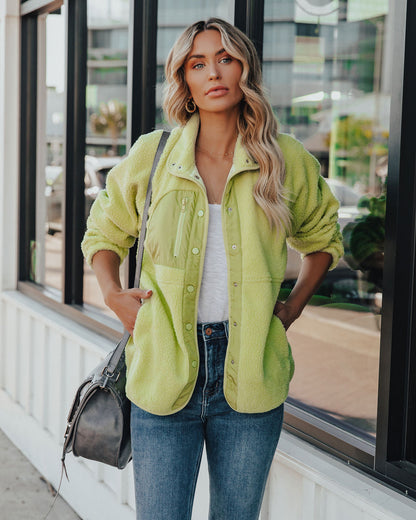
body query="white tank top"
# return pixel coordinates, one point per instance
(213, 296)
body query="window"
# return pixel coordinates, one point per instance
(46, 248)
(106, 109)
(328, 66)
(331, 89)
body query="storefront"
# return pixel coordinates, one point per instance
(79, 82)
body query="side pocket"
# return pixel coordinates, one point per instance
(179, 231)
(136, 322)
(280, 335)
(283, 346)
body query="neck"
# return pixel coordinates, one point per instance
(217, 132)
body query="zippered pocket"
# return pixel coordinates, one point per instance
(179, 231)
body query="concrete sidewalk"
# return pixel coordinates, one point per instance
(24, 493)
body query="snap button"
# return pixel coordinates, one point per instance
(188, 326)
(197, 177)
(235, 324)
(208, 331)
(232, 361)
(190, 288)
(195, 250)
(234, 246)
(194, 364)
(235, 284)
(200, 213)
(229, 210)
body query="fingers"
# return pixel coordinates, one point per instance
(141, 294)
(278, 307)
(127, 303)
(129, 318)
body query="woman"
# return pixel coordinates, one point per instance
(209, 362)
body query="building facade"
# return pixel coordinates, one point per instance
(80, 81)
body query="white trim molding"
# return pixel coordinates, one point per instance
(9, 139)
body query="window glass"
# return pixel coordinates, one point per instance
(173, 18)
(46, 250)
(106, 105)
(327, 69)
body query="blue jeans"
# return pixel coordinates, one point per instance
(167, 449)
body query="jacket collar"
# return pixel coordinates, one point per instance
(181, 160)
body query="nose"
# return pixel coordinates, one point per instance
(214, 72)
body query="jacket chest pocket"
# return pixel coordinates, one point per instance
(169, 228)
(179, 230)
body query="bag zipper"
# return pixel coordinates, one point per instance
(180, 227)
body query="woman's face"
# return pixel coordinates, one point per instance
(212, 75)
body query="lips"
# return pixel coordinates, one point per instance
(217, 90)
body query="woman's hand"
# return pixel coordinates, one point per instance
(285, 313)
(126, 303)
(313, 271)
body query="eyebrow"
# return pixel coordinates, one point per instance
(200, 56)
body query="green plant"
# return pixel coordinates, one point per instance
(112, 118)
(364, 238)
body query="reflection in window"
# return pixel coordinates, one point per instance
(173, 18)
(106, 106)
(46, 251)
(327, 68)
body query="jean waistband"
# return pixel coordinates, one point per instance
(211, 330)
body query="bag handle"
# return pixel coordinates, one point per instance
(108, 371)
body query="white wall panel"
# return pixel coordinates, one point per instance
(3, 344)
(53, 380)
(309, 504)
(39, 371)
(130, 498)
(10, 335)
(71, 372)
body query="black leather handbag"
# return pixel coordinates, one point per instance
(98, 425)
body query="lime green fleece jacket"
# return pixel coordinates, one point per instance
(162, 355)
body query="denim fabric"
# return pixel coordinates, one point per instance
(167, 449)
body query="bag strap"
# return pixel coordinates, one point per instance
(118, 352)
(140, 251)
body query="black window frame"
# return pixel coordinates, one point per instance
(392, 457)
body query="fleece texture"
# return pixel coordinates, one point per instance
(162, 355)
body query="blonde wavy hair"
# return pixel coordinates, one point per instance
(256, 124)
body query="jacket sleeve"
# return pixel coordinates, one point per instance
(314, 208)
(114, 220)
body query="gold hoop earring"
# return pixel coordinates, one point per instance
(190, 106)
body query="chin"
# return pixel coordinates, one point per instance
(221, 108)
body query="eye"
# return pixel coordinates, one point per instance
(197, 66)
(226, 59)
